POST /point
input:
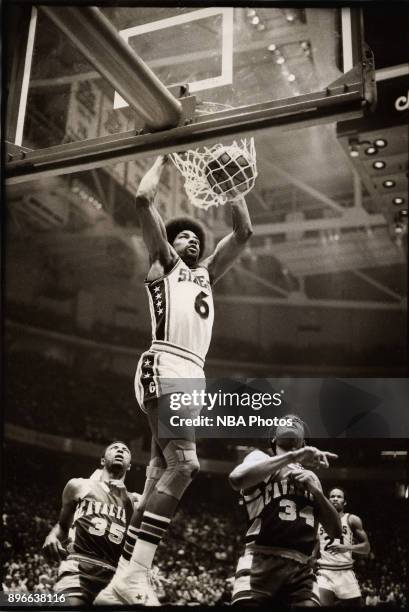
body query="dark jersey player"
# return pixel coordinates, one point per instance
(285, 504)
(179, 284)
(89, 534)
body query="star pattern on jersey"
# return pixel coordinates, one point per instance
(157, 290)
(147, 362)
(160, 310)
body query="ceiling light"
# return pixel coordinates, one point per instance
(255, 20)
(353, 151)
(280, 60)
(251, 13)
(291, 78)
(371, 150)
(380, 143)
(305, 45)
(272, 47)
(399, 228)
(378, 165)
(403, 214)
(398, 201)
(389, 183)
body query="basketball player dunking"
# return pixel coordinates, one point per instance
(91, 527)
(179, 285)
(284, 503)
(336, 577)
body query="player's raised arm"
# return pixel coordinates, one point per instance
(256, 467)
(232, 245)
(153, 229)
(53, 547)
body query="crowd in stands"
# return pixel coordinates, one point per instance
(186, 571)
(244, 350)
(385, 573)
(49, 396)
(196, 561)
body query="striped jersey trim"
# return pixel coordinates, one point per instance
(159, 307)
(86, 559)
(179, 351)
(336, 568)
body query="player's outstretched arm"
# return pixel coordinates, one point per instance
(232, 245)
(256, 467)
(53, 547)
(153, 228)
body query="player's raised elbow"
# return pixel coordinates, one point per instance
(142, 201)
(244, 234)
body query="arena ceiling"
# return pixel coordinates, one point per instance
(316, 210)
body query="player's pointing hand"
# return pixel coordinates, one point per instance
(313, 457)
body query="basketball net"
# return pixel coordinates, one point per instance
(238, 176)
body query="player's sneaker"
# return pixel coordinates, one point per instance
(107, 597)
(132, 586)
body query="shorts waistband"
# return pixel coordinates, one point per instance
(335, 568)
(179, 351)
(286, 553)
(86, 559)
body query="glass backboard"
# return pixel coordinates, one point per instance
(235, 65)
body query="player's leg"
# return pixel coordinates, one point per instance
(182, 466)
(131, 583)
(301, 586)
(349, 591)
(327, 597)
(78, 582)
(154, 472)
(258, 579)
(352, 602)
(327, 587)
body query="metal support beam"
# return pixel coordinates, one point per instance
(321, 197)
(101, 45)
(19, 39)
(298, 300)
(371, 281)
(262, 281)
(351, 218)
(357, 189)
(308, 109)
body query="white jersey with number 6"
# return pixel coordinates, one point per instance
(182, 311)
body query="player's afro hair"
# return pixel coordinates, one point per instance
(180, 224)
